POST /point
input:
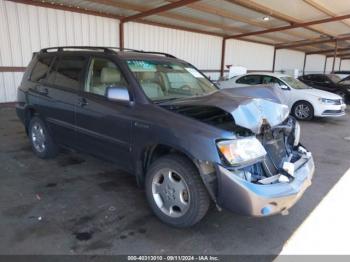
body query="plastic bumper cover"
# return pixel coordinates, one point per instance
(333, 110)
(246, 198)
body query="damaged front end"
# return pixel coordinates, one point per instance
(271, 184)
(264, 169)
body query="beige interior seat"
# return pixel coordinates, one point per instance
(150, 86)
(109, 77)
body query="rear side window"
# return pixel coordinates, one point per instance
(40, 69)
(250, 80)
(68, 71)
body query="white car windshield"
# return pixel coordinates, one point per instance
(294, 83)
(164, 80)
(334, 78)
(345, 82)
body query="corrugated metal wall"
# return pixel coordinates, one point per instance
(250, 55)
(314, 64)
(203, 51)
(25, 29)
(330, 64)
(288, 60)
(345, 65)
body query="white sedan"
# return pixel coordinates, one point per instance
(305, 102)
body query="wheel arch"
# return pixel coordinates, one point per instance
(303, 101)
(151, 153)
(29, 112)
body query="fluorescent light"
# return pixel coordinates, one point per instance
(266, 18)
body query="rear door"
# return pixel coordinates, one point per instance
(104, 126)
(39, 96)
(63, 85)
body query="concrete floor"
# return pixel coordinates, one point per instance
(76, 204)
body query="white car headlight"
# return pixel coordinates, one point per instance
(296, 133)
(328, 101)
(241, 150)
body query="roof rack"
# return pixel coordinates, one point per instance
(62, 48)
(104, 49)
(157, 53)
(142, 51)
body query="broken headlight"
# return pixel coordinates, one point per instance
(241, 151)
(296, 133)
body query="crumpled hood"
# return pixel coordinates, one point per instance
(248, 111)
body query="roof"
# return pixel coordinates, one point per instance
(304, 25)
(278, 75)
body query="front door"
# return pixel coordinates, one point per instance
(104, 126)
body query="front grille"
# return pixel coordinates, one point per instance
(326, 112)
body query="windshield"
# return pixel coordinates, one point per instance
(334, 78)
(294, 83)
(345, 81)
(163, 80)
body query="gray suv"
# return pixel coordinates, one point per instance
(159, 118)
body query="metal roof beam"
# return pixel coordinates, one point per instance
(313, 42)
(157, 10)
(328, 51)
(249, 4)
(340, 55)
(296, 25)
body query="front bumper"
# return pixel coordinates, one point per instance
(331, 110)
(246, 198)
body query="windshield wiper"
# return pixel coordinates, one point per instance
(165, 100)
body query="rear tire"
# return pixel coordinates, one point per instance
(175, 191)
(303, 110)
(41, 140)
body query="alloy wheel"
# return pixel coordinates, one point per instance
(170, 193)
(38, 138)
(302, 111)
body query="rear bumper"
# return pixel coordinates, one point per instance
(241, 196)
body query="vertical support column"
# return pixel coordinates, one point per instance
(335, 54)
(340, 64)
(223, 48)
(121, 34)
(325, 64)
(304, 63)
(274, 59)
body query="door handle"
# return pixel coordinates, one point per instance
(82, 102)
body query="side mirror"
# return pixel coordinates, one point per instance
(118, 93)
(284, 87)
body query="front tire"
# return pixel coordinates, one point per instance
(303, 110)
(42, 143)
(175, 191)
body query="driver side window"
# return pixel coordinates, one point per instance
(103, 73)
(271, 80)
